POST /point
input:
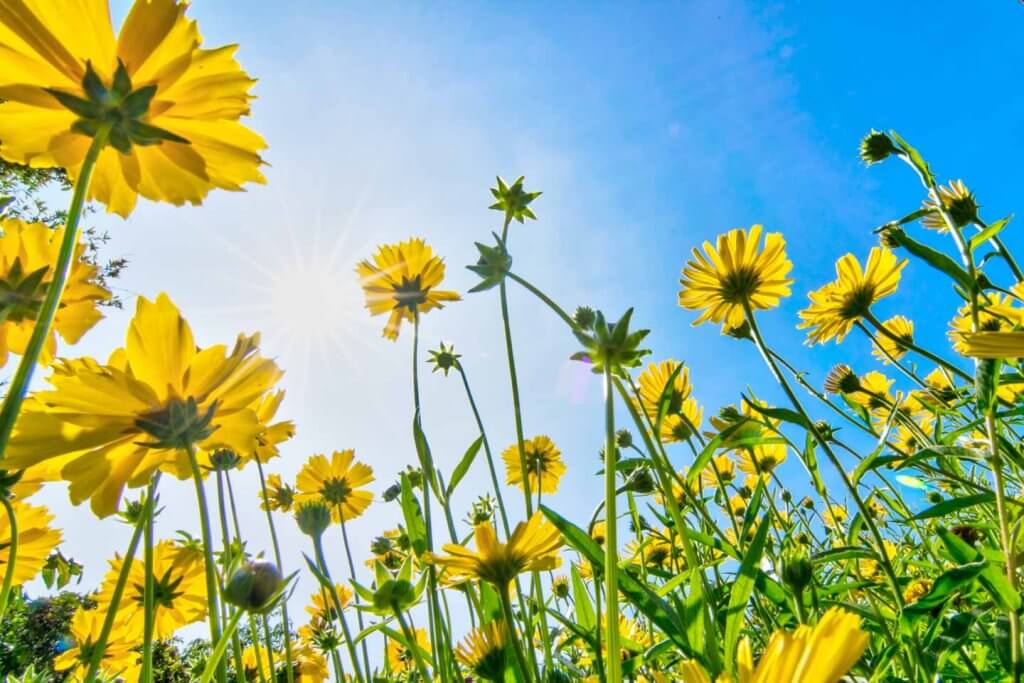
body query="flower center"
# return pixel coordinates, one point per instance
(336, 491)
(857, 302)
(410, 294)
(21, 293)
(739, 285)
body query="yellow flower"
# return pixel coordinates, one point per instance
(400, 658)
(658, 549)
(179, 134)
(997, 314)
(483, 651)
(309, 666)
(280, 496)
(823, 653)
(736, 272)
(27, 254)
(762, 459)
(738, 505)
(533, 546)
(871, 569)
(874, 392)
(321, 606)
(959, 203)
(543, 462)
(684, 414)
(179, 583)
(720, 470)
(401, 281)
(885, 347)
(105, 426)
(274, 433)
(746, 423)
(916, 590)
(993, 345)
(36, 540)
(256, 663)
(599, 531)
(336, 482)
(679, 493)
(837, 306)
(120, 656)
(835, 517)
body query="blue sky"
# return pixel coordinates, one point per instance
(650, 128)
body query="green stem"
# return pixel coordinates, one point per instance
(149, 622)
(48, 309)
(225, 535)
(510, 623)
(216, 659)
(211, 571)
(487, 451)
(611, 548)
(352, 574)
(516, 404)
(559, 311)
(12, 555)
(318, 549)
(414, 648)
(938, 360)
(277, 559)
(1005, 540)
(100, 646)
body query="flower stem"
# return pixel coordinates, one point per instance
(410, 636)
(487, 452)
(211, 571)
(510, 621)
(318, 549)
(12, 555)
(216, 658)
(613, 673)
(277, 559)
(149, 622)
(225, 535)
(100, 646)
(48, 308)
(352, 574)
(1005, 539)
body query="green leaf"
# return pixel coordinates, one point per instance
(990, 231)
(993, 580)
(585, 615)
(936, 259)
(784, 414)
(915, 158)
(414, 524)
(741, 590)
(426, 460)
(463, 466)
(640, 595)
(946, 586)
(954, 504)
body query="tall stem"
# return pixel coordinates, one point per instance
(12, 555)
(318, 549)
(289, 673)
(410, 636)
(487, 451)
(611, 552)
(100, 645)
(1005, 539)
(213, 608)
(352, 575)
(149, 620)
(510, 623)
(48, 309)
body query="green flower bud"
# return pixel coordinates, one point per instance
(313, 518)
(623, 438)
(253, 586)
(797, 571)
(876, 147)
(584, 317)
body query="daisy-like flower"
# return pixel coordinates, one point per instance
(959, 203)
(662, 549)
(102, 427)
(274, 433)
(822, 653)
(27, 254)
(762, 459)
(837, 306)
(738, 505)
(993, 345)
(36, 540)
(484, 651)
(402, 281)
(533, 546)
(736, 272)
(683, 414)
(871, 568)
(321, 606)
(916, 590)
(170, 109)
(337, 482)
(280, 496)
(895, 344)
(400, 658)
(120, 656)
(997, 315)
(179, 589)
(543, 462)
(874, 391)
(309, 666)
(721, 470)
(835, 517)
(256, 664)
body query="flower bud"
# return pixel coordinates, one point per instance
(253, 585)
(876, 147)
(797, 571)
(623, 438)
(584, 317)
(313, 518)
